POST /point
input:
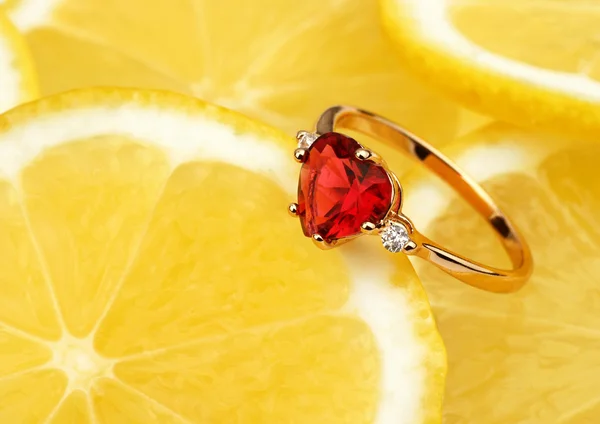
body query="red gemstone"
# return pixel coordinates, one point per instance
(338, 192)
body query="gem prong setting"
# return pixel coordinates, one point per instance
(369, 228)
(363, 154)
(300, 155)
(293, 209)
(321, 243)
(409, 248)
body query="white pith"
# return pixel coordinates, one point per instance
(187, 137)
(435, 28)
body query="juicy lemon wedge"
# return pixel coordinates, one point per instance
(528, 356)
(17, 78)
(279, 62)
(149, 272)
(530, 62)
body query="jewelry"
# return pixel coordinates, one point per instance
(346, 190)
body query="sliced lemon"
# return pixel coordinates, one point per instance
(280, 64)
(529, 62)
(17, 78)
(530, 356)
(149, 273)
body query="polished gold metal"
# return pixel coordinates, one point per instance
(300, 155)
(363, 154)
(471, 272)
(323, 244)
(409, 247)
(293, 209)
(369, 228)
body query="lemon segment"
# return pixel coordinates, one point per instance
(89, 218)
(30, 397)
(114, 401)
(25, 299)
(73, 409)
(20, 353)
(179, 288)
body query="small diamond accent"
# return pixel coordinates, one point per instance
(394, 237)
(305, 139)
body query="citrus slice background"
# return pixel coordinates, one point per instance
(530, 62)
(283, 65)
(530, 356)
(149, 271)
(17, 79)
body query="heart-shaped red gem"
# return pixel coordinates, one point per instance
(337, 192)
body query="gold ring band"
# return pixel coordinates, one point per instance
(391, 223)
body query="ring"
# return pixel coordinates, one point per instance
(346, 190)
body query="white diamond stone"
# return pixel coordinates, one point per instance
(305, 139)
(394, 237)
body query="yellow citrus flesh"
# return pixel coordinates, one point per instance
(283, 65)
(528, 356)
(149, 273)
(17, 78)
(526, 61)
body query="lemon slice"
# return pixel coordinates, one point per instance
(525, 61)
(149, 272)
(280, 64)
(17, 79)
(529, 356)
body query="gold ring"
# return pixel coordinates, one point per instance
(346, 190)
